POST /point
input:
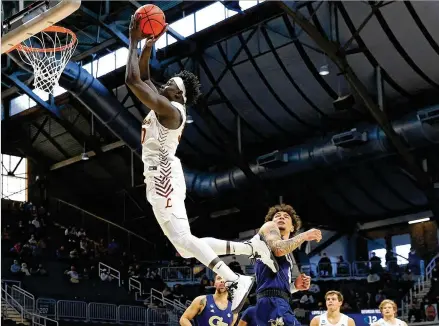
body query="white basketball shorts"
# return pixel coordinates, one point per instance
(166, 196)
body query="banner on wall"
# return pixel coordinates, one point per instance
(364, 318)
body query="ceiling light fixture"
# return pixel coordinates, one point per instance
(425, 219)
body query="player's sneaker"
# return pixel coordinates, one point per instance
(239, 290)
(262, 252)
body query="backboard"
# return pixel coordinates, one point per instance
(33, 19)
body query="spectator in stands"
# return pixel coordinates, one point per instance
(314, 288)
(61, 253)
(24, 269)
(40, 271)
(370, 302)
(235, 266)
(373, 278)
(17, 248)
(32, 241)
(81, 233)
(113, 247)
(105, 276)
(391, 262)
(414, 262)
(85, 275)
(379, 297)
(21, 228)
(83, 245)
(415, 310)
(74, 254)
(36, 224)
(325, 266)
(15, 267)
(346, 307)
(101, 249)
(73, 275)
(375, 264)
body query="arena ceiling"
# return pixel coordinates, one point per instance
(262, 93)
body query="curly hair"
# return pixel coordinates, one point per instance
(297, 222)
(192, 85)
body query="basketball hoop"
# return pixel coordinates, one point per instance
(48, 52)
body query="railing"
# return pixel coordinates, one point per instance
(176, 274)
(38, 320)
(174, 305)
(20, 309)
(11, 282)
(132, 314)
(158, 316)
(420, 287)
(134, 284)
(102, 312)
(25, 299)
(113, 272)
(11, 303)
(72, 310)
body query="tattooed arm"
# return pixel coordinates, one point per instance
(280, 247)
(196, 308)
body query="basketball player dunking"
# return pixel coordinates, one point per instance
(164, 178)
(388, 310)
(212, 309)
(274, 290)
(333, 316)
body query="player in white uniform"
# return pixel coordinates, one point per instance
(389, 309)
(333, 316)
(164, 178)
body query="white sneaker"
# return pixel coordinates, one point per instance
(239, 290)
(263, 253)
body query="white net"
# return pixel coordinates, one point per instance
(48, 52)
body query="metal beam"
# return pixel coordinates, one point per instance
(94, 49)
(338, 57)
(78, 158)
(326, 244)
(223, 30)
(51, 140)
(24, 88)
(111, 28)
(34, 138)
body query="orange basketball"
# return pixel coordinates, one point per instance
(151, 20)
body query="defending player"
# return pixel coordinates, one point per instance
(164, 178)
(248, 317)
(333, 316)
(274, 290)
(212, 309)
(389, 309)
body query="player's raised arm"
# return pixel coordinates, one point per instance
(273, 238)
(193, 310)
(145, 57)
(149, 97)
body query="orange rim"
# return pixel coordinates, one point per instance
(57, 29)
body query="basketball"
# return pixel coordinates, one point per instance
(151, 20)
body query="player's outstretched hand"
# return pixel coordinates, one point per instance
(152, 39)
(135, 32)
(302, 282)
(312, 235)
